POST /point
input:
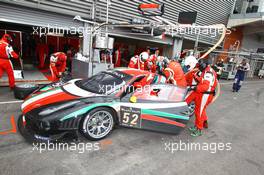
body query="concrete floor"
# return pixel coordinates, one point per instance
(235, 118)
(30, 75)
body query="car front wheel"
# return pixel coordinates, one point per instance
(98, 123)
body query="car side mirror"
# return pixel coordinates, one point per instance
(133, 99)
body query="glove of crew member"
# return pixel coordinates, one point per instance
(192, 88)
(150, 65)
(59, 75)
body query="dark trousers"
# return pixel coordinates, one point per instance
(239, 78)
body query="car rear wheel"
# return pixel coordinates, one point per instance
(98, 123)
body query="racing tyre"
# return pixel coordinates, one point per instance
(98, 123)
(24, 131)
(22, 91)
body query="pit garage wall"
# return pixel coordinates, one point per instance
(122, 10)
(249, 42)
(245, 43)
(61, 13)
(232, 42)
(27, 16)
(252, 42)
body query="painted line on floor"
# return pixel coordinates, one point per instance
(245, 82)
(10, 102)
(13, 129)
(226, 83)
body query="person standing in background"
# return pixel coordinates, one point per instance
(242, 68)
(117, 57)
(42, 52)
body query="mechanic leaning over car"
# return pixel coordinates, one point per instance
(174, 73)
(7, 52)
(161, 62)
(242, 68)
(139, 62)
(202, 92)
(58, 62)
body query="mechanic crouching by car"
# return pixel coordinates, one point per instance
(139, 62)
(242, 68)
(7, 52)
(58, 63)
(202, 94)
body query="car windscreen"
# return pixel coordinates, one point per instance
(101, 83)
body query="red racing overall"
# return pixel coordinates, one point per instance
(151, 63)
(58, 62)
(203, 95)
(117, 58)
(43, 51)
(175, 74)
(136, 63)
(7, 52)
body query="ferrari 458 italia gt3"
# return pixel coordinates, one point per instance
(93, 106)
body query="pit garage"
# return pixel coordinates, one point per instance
(31, 44)
(124, 120)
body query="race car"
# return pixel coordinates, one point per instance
(93, 106)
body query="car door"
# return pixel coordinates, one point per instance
(157, 107)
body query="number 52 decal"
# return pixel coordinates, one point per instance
(130, 117)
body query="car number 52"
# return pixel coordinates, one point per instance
(130, 117)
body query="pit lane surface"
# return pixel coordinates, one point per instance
(235, 118)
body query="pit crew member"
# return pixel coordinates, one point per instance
(174, 74)
(152, 62)
(202, 95)
(117, 57)
(42, 52)
(7, 52)
(58, 62)
(139, 62)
